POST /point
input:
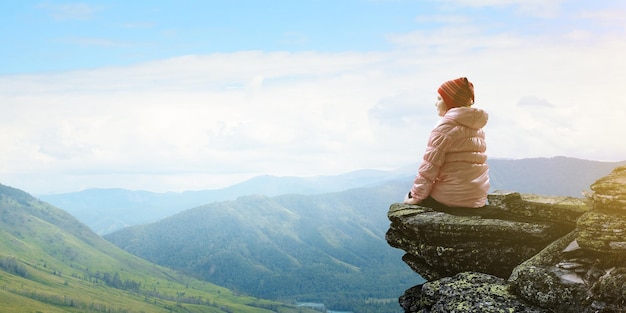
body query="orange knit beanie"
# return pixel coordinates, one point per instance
(457, 92)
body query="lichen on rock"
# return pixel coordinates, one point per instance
(609, 192)
(464, 292)
(522, 253)
(491, 240)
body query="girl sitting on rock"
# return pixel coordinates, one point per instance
(454, 172)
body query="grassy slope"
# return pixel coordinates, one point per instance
(63, 267)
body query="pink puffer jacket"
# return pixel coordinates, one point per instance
(454, 171)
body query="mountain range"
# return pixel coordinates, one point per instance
(305, 239)
(50, 262)
(108, 210)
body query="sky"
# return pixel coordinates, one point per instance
(190, 95)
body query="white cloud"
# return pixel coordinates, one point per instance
(456, 40)
(603, 16)
(97, 42)
(202, 121)
(69, 11)
(440, 18)
(534, 8)
(532, 101)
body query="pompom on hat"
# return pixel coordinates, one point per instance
(457, 92)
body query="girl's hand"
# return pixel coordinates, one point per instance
(408, 200)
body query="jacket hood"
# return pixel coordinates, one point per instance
(467, 116)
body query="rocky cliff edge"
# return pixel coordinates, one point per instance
(521, 253)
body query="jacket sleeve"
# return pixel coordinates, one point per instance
(438, 145)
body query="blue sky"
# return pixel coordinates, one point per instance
(105, 33)
(57, 36)
(187, 95)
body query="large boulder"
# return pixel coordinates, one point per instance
(604, 229)
(563, 254)
(603, 232)
(490, 240)
(467, 292)
(586, 270)
(567, 278)
(609, 192)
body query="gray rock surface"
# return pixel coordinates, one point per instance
(522, 253)
(464, 292)
(490, 240)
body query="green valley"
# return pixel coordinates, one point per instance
(327, 248)
(50, 262)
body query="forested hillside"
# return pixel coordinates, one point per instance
(50, 262)
(328, 248)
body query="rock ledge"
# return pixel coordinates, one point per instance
(521, 253)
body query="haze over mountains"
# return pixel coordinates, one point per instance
(108, 210)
